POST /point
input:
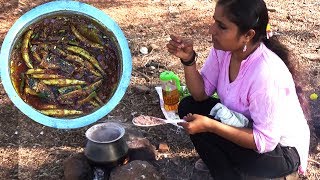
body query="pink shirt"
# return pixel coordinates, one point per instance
(263, 91)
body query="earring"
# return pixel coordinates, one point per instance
(244, 48)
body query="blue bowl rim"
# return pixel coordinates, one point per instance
(73, 7)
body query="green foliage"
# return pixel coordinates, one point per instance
(185, 92)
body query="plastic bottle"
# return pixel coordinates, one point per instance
(171, 89)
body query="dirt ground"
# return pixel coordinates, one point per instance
(29, 150)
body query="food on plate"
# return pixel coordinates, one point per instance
(147, 121)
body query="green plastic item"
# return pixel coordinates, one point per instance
(171, 76)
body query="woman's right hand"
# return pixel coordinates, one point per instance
(182, 48)
(197, 123)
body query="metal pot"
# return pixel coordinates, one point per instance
(56, 8)
(106, 144)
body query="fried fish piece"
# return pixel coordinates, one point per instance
(46, 76)
(80, 92)
(25, 49)
(66, 56)
(35, 71)
(68, 89)
(67, 97)
(91, 33)
(61, 112)
(87, 99)
(28, 90)
(91, 69)
(99, 100)
(94, 103)
(85, 40)
(48, 106)
(86, 54)
(94, 86)
(42, 90)
(63, 82)
(36, 56)
(74, 58)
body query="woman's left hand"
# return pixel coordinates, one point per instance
(196, 123)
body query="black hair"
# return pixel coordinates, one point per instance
(253, 14)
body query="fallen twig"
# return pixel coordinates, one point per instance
(142, 74)
(311, 4)
(316, 162)
(155, 64)
(271, 9)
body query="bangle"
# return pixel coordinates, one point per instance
(190, 62)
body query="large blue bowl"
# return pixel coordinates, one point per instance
(55, 8)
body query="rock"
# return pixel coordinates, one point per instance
(163, 147)
(144, 50)
(77, 168)
(152, 47)
(131, 132)
(135, 170)
(152, 68)
(141, 149)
